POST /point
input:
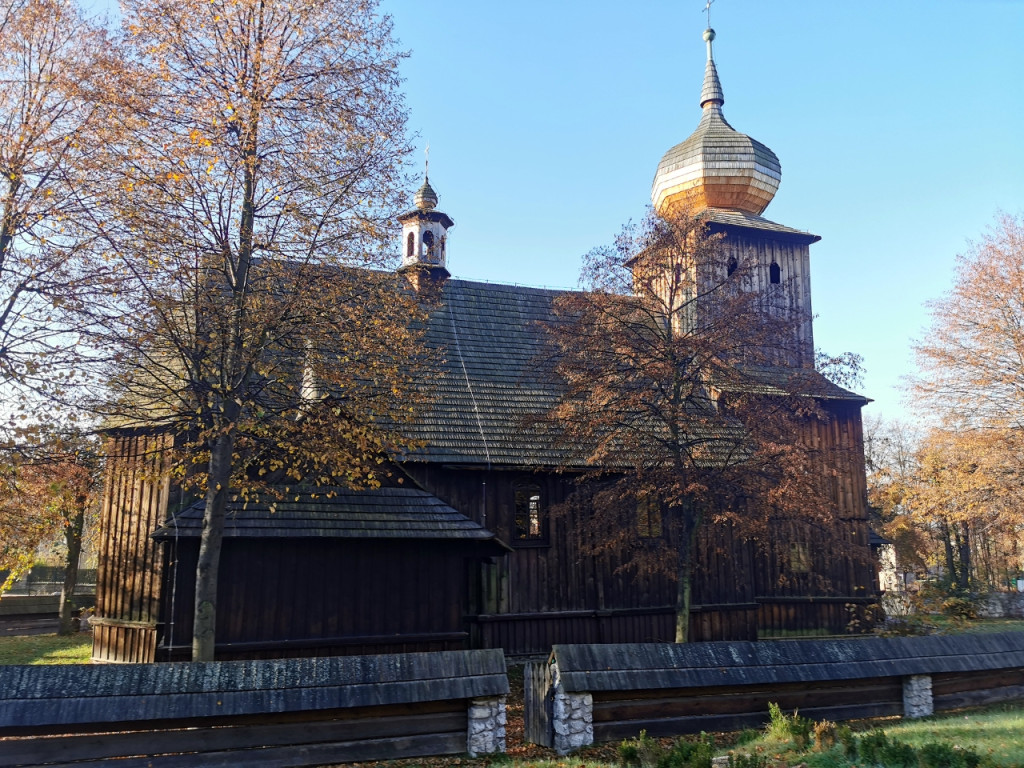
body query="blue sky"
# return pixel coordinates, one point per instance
(899, 126)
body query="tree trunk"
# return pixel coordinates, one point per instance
(684, 578)
(207, 570)
(947, 543)
(964, 552)
(73, 538)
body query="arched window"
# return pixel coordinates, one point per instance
(731, 265)
(410, 246)
(530, 520)
(774, 273)
(428, 245)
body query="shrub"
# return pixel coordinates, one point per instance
(747, 736)
(643, 751)
(848, 740)
(824, 735)
(934, 755)
(871, 746)
(783, 727)
(690, 754)
(752, 760)
(961, 608)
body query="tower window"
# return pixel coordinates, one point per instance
(774, 273)
(731, 265)
(530, 523)
(410, 246)
(428, 239)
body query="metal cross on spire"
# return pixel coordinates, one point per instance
(707, 9)
(426, 169)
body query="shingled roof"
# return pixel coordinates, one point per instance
(724, 219)
(378, 513)
(494, 378)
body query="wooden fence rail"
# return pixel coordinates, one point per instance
(600, 693)
(287, 712)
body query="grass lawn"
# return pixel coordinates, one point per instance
(46, 649)
(996, 731)
(948, 626)
(996, 734)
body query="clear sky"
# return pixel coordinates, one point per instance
(899, 125)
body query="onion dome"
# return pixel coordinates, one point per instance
(717, 166)
(425, 197)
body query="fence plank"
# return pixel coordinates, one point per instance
(293, 756)
(69, 749)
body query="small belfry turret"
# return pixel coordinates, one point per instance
(425, 233)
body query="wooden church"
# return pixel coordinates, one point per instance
(465, 551)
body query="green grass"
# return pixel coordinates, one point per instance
(976, 626)
(996, 731)
(46, 649)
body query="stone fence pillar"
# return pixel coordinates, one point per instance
(486, 732)
(572, 717)
(917, 696)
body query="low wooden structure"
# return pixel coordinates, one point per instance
(615, 691)
(292, 712)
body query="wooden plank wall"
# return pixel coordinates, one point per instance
(834, 596)
(549, 592)
(272, 713)
(320, 597)
(128, 580)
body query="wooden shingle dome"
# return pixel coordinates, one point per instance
(717, 166)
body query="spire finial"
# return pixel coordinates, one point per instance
(707, 9)
(711, 93)
(426, 168)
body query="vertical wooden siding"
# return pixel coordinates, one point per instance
(540, 595)
(319, 597)
(128, 579)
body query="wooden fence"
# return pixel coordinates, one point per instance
(611, 692)
(288, 712)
